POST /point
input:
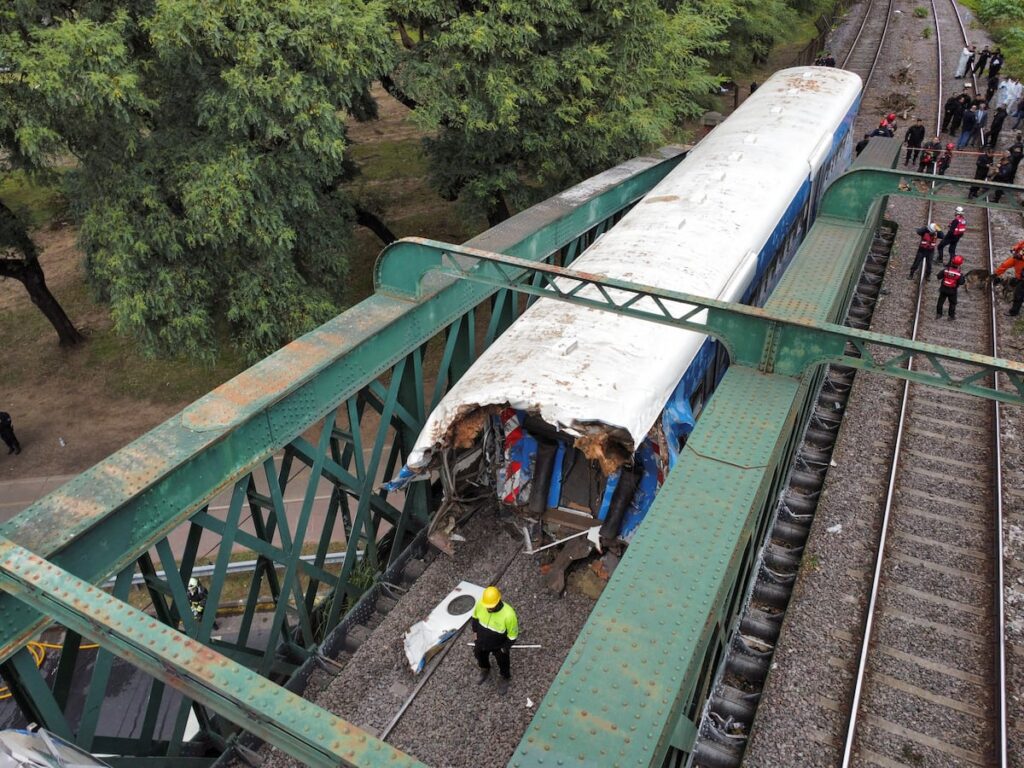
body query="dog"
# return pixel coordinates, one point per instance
(983, 280)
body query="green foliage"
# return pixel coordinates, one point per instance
(210, 145)
(37, 203)
(921, 12)
(926, 33)
(1005, 21)
(524, 98)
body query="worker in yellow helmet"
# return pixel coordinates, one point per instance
(496, 627)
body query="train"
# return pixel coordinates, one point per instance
(577, 414)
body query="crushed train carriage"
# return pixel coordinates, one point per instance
(575, 414)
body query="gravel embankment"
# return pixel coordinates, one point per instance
(453, 721)
(803, 713)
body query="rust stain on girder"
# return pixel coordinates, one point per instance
(288, 368)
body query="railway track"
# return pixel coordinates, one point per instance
(866, 48)
(930, 684)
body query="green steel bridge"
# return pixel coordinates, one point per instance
(362, 385)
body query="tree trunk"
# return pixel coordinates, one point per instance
(365, 218)
(29, 272)
(498, 211)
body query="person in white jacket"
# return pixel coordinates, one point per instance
(966, 58)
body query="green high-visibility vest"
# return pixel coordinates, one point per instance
(503, 621)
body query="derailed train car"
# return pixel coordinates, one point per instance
(577, 414)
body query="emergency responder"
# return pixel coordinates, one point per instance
(956, 230)
(945, 160)
(496, 627)
(7, 433)
(197, 595)
(950, 280)
(1016, 263)
(929, 155)
(925, 248)
(1004, 175)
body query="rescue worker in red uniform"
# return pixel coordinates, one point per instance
(925, 249)
(497, 627)
(950, 280)
(1016, 263)
(956, 230)
(945, 160)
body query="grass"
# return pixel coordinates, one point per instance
(921, 12)
(39, 203)
(926, 33)
(389, 160)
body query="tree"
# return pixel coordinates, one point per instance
(209, 140)
(524, 98)
(19, 260)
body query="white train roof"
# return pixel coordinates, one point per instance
(699, 231)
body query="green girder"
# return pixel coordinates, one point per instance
(772, 342)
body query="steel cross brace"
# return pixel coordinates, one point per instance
(308, 733)
(770, 342)
(851, 195)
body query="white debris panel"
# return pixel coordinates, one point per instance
(425, 638)
(700, 231)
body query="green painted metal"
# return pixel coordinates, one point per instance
(781, 341)
(851, 196)
(634, 683)
(361, 379)
(633, 673)
(303, 730)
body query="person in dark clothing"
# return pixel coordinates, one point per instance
(496, 627)
(967, 122)
(957, 228)
(982, 61)
(1016, 153)
(929, 156)
(969, 63)
(950, 280)
(862, 143)
(913, 138)
(883, 129)
(996, 63)
(981, 169)
(990, 89)
(996, 128)
(1004, 175)
(945, 160)
(949, 109)
(925, 248)
(963, 101)
(830, 60)
(7, 434)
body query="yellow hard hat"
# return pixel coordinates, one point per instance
(491, 597)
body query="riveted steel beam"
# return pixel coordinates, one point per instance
(309, 734)
(770, 341)
(851, 195)
(108, 516)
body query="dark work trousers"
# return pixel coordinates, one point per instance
(943, 295)
(913, 150)
(502, 656)
(1018, 298)
(923, 254)
(7, 435)
(951, 240)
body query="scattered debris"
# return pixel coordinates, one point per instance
(529, 703)
(425, 638)
(837, 528)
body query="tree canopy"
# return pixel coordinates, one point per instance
(528, 96)
(209, 140)
(204, 141)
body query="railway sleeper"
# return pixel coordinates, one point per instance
(808, 480)
(712, 754)
(750, 668)
(781, 558)
(762, 624)
(791, 532)
(737, 704)
(772, 595)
